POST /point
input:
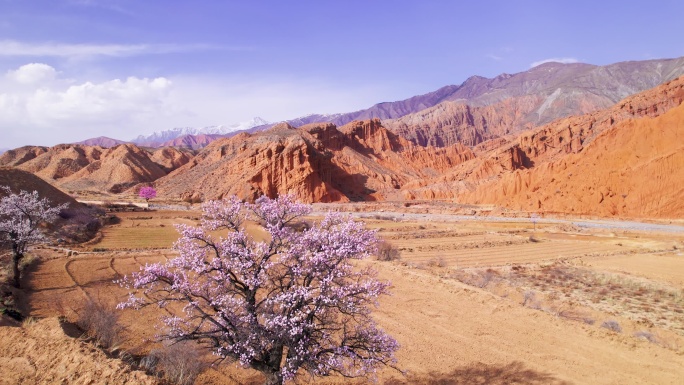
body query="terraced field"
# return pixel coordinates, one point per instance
(450, 332)
(467, 245)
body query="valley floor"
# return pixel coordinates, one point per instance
(488, 301)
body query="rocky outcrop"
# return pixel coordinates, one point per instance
(316, 163)
(454, 122)
(482, 109)
(169, 158)
(274, 163)
(117, 169)
(632, 169)
(560, 166)
(21, 155)
(77, 168)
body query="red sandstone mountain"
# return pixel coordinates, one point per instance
(608, 154)
(482, 109)
(550, 168)
(634, 168)
(317, 163)
(92, 168)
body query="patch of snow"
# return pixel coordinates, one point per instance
(166, 135)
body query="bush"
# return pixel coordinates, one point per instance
(178, 363)
(612, 325)
(80, 224)
(100, 322)
(648, 336)
(530, 300)
(486, 277)
(387, 252)
(437, 262)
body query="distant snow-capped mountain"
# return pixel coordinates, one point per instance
(159, 137)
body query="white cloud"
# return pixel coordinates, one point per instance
(16, 48)
(68, 110)
(564, 60)
(34, 111)
(33, 73)
(109, 102)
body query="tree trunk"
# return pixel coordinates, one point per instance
(273, 378)
(16, 257)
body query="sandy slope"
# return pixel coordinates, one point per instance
(40, 353)
(444, 326)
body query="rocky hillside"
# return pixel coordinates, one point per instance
(482, 109)
(19, 180)
(632, 169)
(81, 168)
(552, 167)
(317, 163)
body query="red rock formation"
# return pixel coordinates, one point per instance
(633, 169)
(169, 158)
(273, 163)
(92, 168)
(117, 169)
(549, 168)
(317, 163)
(21, 155)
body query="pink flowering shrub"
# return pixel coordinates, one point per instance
(147, 193)
(288, 304)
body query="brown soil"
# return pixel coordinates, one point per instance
(39, 352)
(450, 332)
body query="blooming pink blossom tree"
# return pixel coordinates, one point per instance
(20, 216)
(290, 304)
(147, 193)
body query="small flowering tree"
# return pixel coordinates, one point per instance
(147, 193)
(293, 302)
(534, 218)
(20, 216)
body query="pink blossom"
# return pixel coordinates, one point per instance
(293, 303)
(147, 193)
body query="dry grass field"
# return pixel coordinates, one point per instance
(473, 302)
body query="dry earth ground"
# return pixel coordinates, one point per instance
(450, 332)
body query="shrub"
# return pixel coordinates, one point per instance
(178, 363)
(100, 322)
(387, 252)
(612, 325)
(530, 300)
(437, 262)
(648, 336)
(486, 277)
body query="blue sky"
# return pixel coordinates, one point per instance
(75, 69)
